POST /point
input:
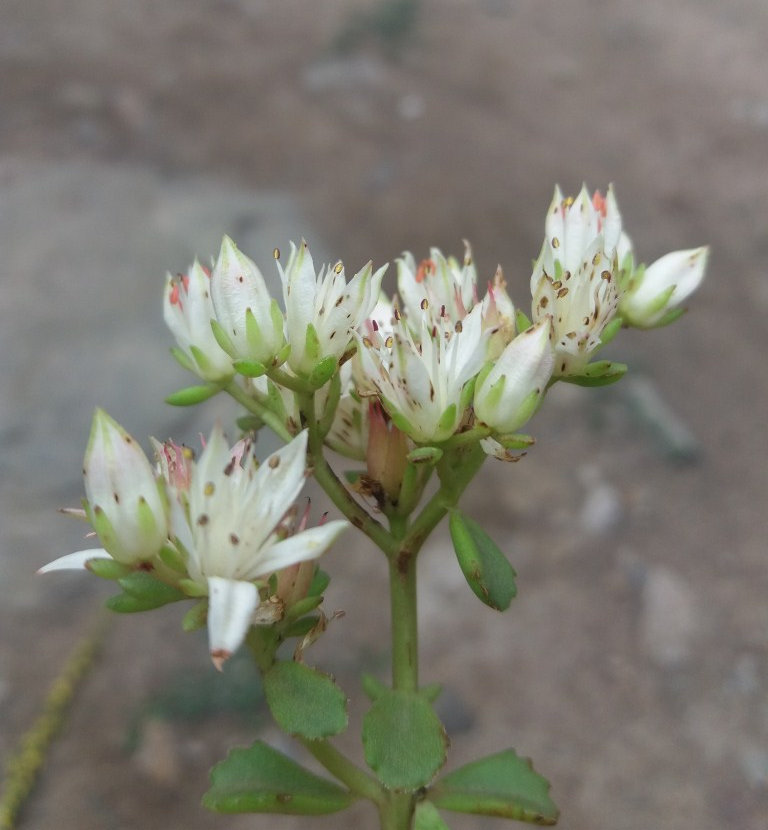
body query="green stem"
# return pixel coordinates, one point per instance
(358, 781)
(397, 812)
(289, 381)
(405, 631)
(261, 411)
(336, 491)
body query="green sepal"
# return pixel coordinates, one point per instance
(311, 345)
(249, 423)
(670, 317)
(278, 324)
(425, 455)
(200, 358)
(196, 617)
(467, 394)
(147, 523)
(659, 301)
(398, 419)
(183, 359)
(611, 330)
(323, 371)
(501, 785)
(151, 591)
(486, 569)
(320, 581)
(403, 740)
(107, 568)
(100, 522)
(301, 627)
(222, 338)
(515, 441)
(304, 701)
(262, 780)
(250, 368)
(253, 332)
(193, 395)
(372, 686)
(426, 817)
(192, 588)
(522, 321)
(599, 373)
(173, 559)
(447, 419)
(284, 352)
(302, 607)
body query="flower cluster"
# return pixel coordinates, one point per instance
(447, 364)
(218, 527)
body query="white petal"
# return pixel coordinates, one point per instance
(74, 561)
(231, 604)
(309, 544)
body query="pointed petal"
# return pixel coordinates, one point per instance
(74, 561)
(231, 604)
(309, 544)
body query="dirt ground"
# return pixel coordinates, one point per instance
(633, 667)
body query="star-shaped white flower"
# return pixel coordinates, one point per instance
(229, 524)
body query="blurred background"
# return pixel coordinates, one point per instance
(633, 666)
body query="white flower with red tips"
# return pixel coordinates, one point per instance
(575, 278)
(188, 310)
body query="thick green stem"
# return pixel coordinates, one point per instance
(405, 631)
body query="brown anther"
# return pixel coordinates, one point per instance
(276, 253)
(424, 304)
(561, 293)
(274, 462)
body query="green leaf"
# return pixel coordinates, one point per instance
(183, 359)
(320, 581)
(301, 627)
(599, 373)
(484, 566)
(262, 780)
(304, 701)
(502, 785)
(192, 395)
(404, 742)
(426, 817)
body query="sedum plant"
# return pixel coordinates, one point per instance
(412, 395)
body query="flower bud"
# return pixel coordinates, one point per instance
(125, 504)
(187, 310)
(250, 323)
(653, 294)
(387, 451)
(510, 392)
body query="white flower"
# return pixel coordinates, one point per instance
(251, 323)
(125, 505)
(511, 391)
(322, 310)
(653, 294)
(439, 288)
(575, 278)
(422, 385)
(228, 522)
(188, 309)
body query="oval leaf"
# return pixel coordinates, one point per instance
(484, 566)
(403, 739)
(502, 785)
(599, 373)
(304, 701)
(262, 780)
